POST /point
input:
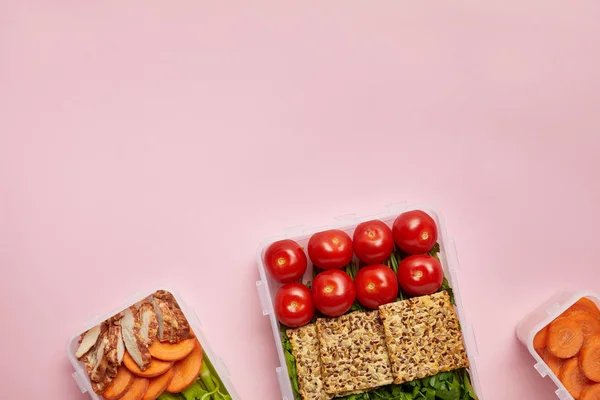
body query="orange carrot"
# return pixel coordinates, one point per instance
(186, 371)
(589, 324)
(591, 392)
(565, 338)
(158, 385)
(541, 352)
(137, 390)
(120, 384)
(573, 378)
(586, 305)
(172, 351)
(539, 341)
(156, 368)
(590, 359)
(552, 361)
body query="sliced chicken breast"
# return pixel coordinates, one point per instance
(97, 366)
(88, 340)
(162, 312)
(148, 322)
(114, 336)
(120, 347)
(172, 324)
(130, 328)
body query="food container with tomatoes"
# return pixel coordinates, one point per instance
(150, 348)
(369, 308)
(563, 336)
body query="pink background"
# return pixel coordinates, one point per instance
(160, 142)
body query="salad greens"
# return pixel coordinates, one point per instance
(290, 361)
(208, 386)
(453, 385)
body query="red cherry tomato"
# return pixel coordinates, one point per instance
(285, 260)
(373, 242)
(293, 305)
(420, 275)
(376, 285)
(333, 292)
(330, 249)
(415, 232)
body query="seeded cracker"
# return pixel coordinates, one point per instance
(353, 352)
(423, 337)
(305, 348)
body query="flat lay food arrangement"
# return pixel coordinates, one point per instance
(363, 311)
(148, 351)
(366, 312)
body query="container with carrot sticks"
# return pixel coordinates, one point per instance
(564, 337)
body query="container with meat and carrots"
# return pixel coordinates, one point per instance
(563, 335)
(148, 350)
(369, 309)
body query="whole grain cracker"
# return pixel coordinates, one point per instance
(353, 353)
(305, 348)
(423, 337)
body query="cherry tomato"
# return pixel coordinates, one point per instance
(376, 285)
(420, 275)
(285, 260)
(293, 305)
(330, 249)
(415, 232)
(373, 242)
(333, 292)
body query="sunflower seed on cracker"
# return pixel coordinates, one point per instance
(353, 353)
(423, 337)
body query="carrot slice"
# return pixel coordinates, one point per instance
(539, 341)
(573, 378)
(565, 338)
(158, 385)
(591, 392)
(590, 359)
(172, 351)
(586, 305)
(588, 323)
(156, 368)
(137, 390)
(552, 361)
(120, 384)
(186, 371)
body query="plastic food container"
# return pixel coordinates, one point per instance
(541, 317)
(209, 359)
(267, 287)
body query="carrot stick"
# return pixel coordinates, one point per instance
(573, 378)
(591, 392)
(590, 359)
(539, 341)
(565, 338)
